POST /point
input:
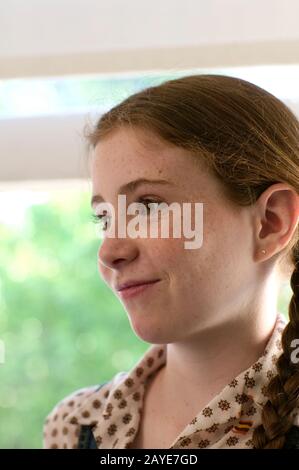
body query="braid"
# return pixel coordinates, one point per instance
(283, 389)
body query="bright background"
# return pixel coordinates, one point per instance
(62, 327)
(63, 63)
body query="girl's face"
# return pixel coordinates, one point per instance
(199, 288)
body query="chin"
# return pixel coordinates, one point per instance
(148, 331)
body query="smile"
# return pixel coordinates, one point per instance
(136, 290)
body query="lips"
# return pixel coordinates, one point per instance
(128, 284)
(137, 290)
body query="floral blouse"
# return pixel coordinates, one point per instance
(114, 409)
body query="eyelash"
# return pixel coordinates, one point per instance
(98, 218)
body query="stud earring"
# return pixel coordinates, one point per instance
(263, 251)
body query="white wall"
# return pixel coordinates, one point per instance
(88, 36)
(69, 37)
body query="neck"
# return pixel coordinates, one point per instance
(198, 369)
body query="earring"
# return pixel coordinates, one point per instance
(263, 251)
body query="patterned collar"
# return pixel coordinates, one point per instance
(226, 421)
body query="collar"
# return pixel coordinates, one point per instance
(228, 419)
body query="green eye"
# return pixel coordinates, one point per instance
(100, 219)
(103, 219)
(149, 203)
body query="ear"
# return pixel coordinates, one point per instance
(276, 218)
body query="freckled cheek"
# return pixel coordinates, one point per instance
(168, 254)
(215, 231)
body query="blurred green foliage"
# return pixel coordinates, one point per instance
(62, 327)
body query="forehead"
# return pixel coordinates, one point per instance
(128, 154)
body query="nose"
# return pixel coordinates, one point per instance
(116, 252)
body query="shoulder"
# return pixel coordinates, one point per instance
(57, 432)
(292, 438)
(62, 425)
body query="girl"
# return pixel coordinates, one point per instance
(222, 370)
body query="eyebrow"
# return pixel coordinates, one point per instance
(131, 187)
